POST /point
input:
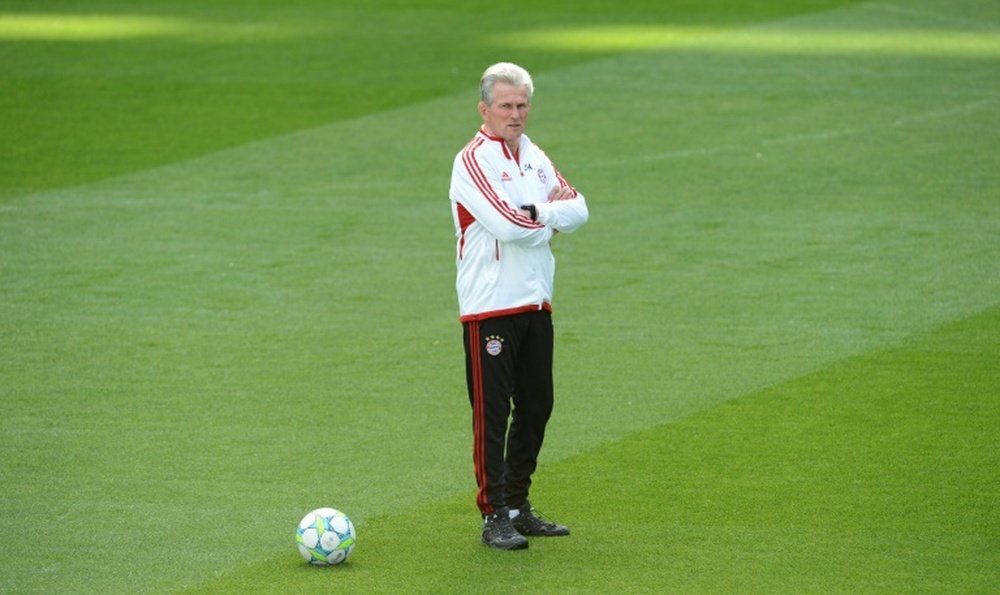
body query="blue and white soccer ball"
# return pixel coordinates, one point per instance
(325, 537)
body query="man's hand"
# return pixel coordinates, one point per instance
(561, 193)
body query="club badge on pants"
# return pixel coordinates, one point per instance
(494, 345)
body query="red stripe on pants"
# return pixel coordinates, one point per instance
(478, 419)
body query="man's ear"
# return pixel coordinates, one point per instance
(482, 108)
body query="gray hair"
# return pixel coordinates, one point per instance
(504, 72)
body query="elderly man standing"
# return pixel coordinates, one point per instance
(508, 201)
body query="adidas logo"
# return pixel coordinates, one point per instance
(505, 177)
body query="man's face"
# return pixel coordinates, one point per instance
(506, 116)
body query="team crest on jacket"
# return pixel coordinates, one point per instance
(541, 175)
(494, 345)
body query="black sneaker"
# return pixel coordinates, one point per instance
(499, 533)
(529, 522)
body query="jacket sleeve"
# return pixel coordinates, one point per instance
(563, 215)
(477, 187)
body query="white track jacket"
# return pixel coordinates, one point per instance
(504, 262)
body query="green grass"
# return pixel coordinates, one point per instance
(226, 296)
(788, 489)
(105, 87)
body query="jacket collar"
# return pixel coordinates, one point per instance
(503, 144)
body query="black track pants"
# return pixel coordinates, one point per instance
(508, 360)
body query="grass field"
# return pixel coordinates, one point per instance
(226, 295)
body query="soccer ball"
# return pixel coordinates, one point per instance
(325, 537)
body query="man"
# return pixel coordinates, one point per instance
(508, 201)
